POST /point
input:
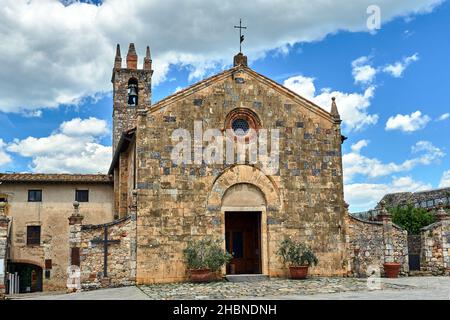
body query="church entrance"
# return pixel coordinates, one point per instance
(243, 241)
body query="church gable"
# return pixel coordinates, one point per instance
(235, 84)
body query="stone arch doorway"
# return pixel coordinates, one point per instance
(243, 206)
(262, 197)
(30, 276)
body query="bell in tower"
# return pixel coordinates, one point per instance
(132, 92)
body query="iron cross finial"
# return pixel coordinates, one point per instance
(241, 36)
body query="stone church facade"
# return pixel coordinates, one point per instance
(177, 174)
(179, 202)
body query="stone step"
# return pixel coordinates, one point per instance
(417, 273)
(246, 277)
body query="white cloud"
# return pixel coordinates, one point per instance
(356, 147)
(408, 123)
(32, 113)
(79, 127)
(53, 54)
(355, 163)
(362, 71)
(4, 157)
(443, 117)
(445, 180)
(177, 89)
(396, 69)
(73, 148)
(365, 196)
(352, 106)
(304, 86)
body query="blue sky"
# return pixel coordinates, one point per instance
(404, 65)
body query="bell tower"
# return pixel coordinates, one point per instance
(132, 90)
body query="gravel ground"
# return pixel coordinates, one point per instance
(272, 288)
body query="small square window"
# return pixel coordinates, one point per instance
(82, 195)
(34, 195)
(33, 235)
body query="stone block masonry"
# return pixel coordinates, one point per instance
(4, 229)
(304, 199)
(372, 243)
(435, 252)
(88, 241)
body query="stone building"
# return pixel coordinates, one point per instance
(235, 200)
(428, 199)
(236, 156)
(37, 207)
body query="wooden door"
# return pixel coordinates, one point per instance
(243, 241)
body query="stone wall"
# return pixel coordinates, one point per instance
(120, 267)
(423, 199)
(435, 254)
(372, 243)
(181, 202)
(4, 229)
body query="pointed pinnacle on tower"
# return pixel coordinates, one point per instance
(118, 58)
(334, 110)
(148, 60)
(132, 57)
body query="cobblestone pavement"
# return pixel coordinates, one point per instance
(416, 288)
(270, 288)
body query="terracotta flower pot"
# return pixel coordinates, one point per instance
(200, 275)
(300, 272)
(392, 269)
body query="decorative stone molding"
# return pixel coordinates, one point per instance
(244, 174)
(76, 217)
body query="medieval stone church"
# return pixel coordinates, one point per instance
(131, 225)
(251, 211)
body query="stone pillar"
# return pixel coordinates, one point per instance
(133, 236)
(386, 218)
(441, 214)
(75, 222)
(4, 224)
(444, 218)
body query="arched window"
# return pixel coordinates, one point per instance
(133, 92)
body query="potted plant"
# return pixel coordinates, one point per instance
(205, 257)
(391, 269)
(298, 256)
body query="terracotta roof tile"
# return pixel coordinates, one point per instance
(55, 178)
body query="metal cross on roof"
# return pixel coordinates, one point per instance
(241, 36)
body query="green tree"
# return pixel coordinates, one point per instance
(411, 219)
